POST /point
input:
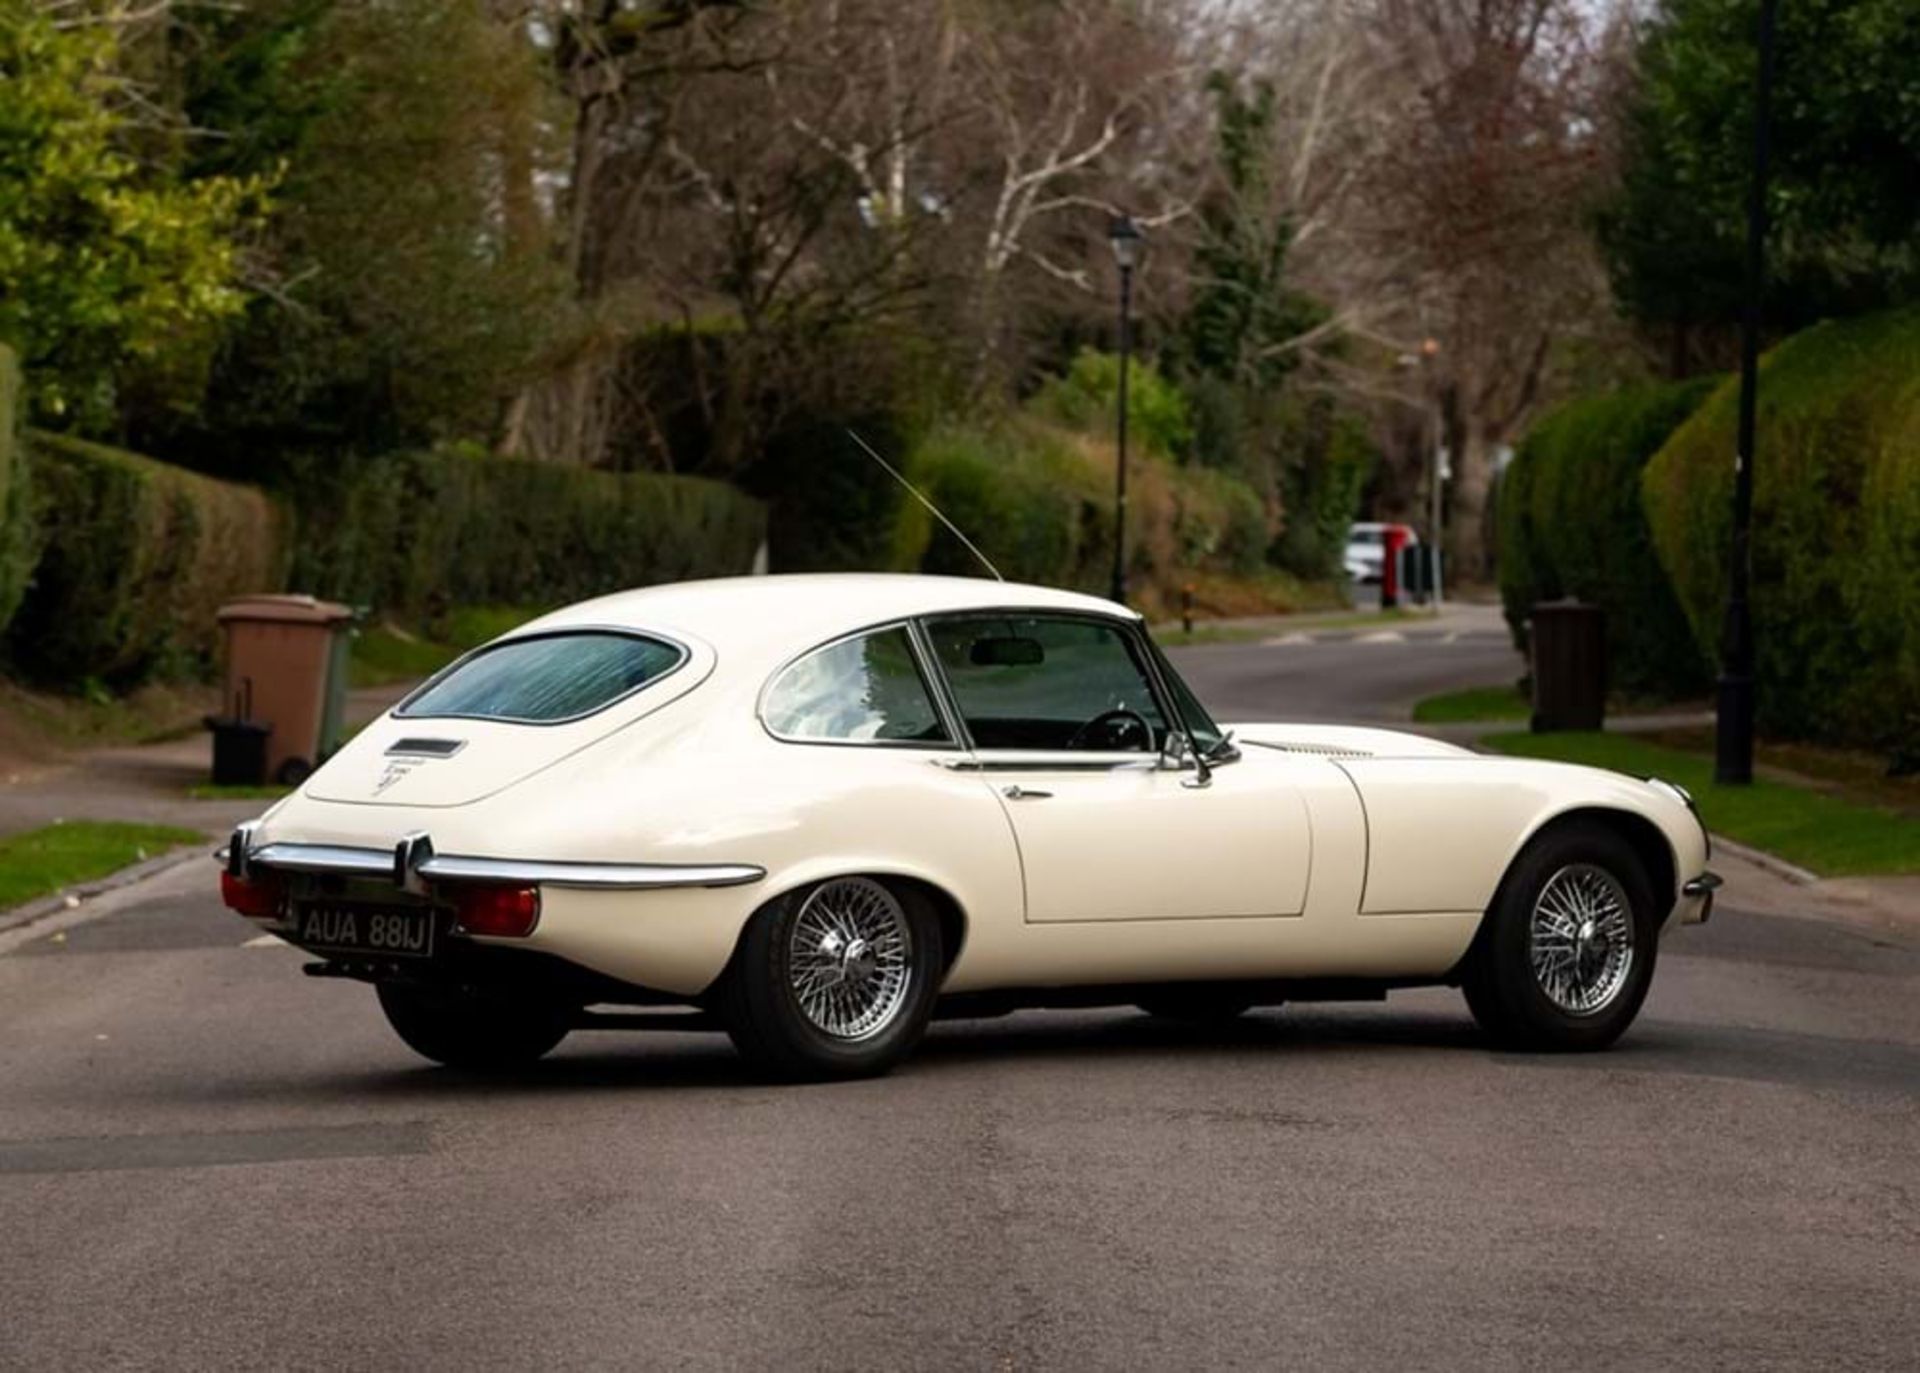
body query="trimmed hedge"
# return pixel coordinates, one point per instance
(136, 557)
(18, 544)
(1836, 531)
(414, 533)
(1039, 502)
(1572, 524)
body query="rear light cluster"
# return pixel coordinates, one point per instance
(257, 897)
(499, 912)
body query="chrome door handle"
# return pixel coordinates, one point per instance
(1016, 792)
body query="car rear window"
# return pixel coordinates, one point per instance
(546, 678)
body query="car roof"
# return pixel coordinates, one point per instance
(786, 612)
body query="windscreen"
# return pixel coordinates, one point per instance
(546, 678)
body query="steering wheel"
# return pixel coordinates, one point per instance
(1118, 723)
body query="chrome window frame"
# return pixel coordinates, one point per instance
(401, 711)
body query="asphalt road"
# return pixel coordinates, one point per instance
(207, 1160)
(1351, 675)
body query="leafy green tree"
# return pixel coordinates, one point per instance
(1237, 347)
(1845, 198)
(412, 286)
(108, 264)
(1244, 313)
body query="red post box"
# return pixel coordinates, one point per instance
(1393, 543)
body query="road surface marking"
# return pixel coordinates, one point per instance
(1384, 636)
(265, 941)
(1285, 639)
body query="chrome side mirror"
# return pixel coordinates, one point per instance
(1179, 754)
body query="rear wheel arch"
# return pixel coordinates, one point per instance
(787, 1024)
(952, 917)
(946, 907)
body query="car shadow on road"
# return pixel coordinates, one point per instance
(1126, 1042)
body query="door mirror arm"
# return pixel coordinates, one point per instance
(1179, 748)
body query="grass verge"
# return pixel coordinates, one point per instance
(45, 860)
(1827, 833)
(1474, 703)
(210, 791)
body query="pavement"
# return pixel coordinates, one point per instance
(210, 1161)
(147, 783)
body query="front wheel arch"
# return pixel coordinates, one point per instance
(1501, 976)
(1653, 849)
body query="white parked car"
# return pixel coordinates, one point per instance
(1367, 550)
(816, 811)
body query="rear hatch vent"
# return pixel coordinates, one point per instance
(425, 748)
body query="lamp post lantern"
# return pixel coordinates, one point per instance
(1125, 237)
(1733, 730)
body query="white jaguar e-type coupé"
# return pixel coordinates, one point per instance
(819, 810)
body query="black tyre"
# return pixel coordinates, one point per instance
(475, 1033)
(835, 980)
(1200, 1004)
(1567, 953)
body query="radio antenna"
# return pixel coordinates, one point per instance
(914, 491)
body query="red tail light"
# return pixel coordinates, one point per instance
(502, 912)
(258, 898)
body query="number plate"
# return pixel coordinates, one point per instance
(371, 931)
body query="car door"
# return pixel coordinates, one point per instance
(1069, 724)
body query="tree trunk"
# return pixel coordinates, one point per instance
(1472, 481)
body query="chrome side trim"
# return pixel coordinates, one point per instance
(619, 876)
(1705, 883)
(340, 860)
(1030, 762)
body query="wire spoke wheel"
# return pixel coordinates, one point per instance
(850, 958)
(1580, 939)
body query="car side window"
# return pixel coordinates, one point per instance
(861, 691)
(1041, 682)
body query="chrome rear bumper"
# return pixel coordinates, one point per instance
(412, 862)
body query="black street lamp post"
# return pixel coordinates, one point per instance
(1125, 236)
(1733, 734)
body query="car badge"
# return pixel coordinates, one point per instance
(394, 772)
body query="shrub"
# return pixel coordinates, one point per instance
(1088, 397)
(18, 542)
(1020, 492)
(1572, 524)
(415, 533)
(1039, 503)
(1836, 530)
(137, 556)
